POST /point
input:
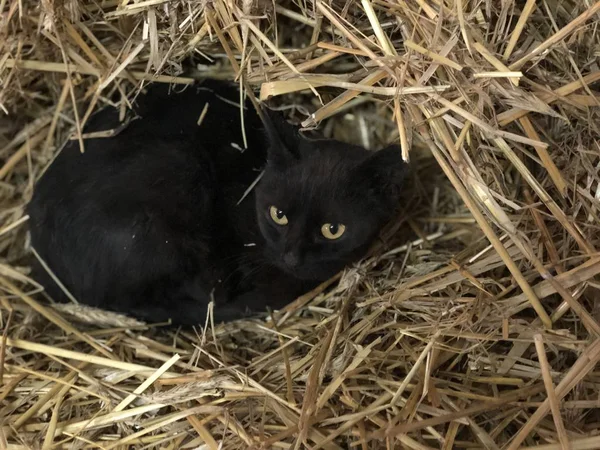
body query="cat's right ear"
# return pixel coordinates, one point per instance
(383, 173)
(283, 139)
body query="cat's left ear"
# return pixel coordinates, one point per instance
(383, 173)
(284, 140)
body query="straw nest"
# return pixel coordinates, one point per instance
(473, 324)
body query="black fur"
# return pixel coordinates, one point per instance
(147, 222)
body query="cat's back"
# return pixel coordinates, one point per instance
(166, 123)
(138, 205)
(171, 143)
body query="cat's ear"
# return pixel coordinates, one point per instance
(284, 140)
(383, 173)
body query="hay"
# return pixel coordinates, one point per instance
(481, 331)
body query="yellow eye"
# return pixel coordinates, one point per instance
(278, 216)
(333, 231)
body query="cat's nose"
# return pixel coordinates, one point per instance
(291, 259)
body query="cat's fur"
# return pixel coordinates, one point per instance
(147, 222)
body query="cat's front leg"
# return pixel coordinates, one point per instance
(274, 295)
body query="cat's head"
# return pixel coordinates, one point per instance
(320, 203)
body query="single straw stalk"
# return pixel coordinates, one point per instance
(554, 406)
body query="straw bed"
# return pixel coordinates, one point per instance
(472, 324)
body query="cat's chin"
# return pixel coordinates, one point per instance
(304, 274)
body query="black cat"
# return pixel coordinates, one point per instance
(149, 222)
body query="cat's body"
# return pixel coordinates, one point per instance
(148, 223)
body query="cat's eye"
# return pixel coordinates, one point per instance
(278, 216)
(333, 231)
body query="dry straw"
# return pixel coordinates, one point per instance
(474, 322)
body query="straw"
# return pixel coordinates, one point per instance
(472, 322)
